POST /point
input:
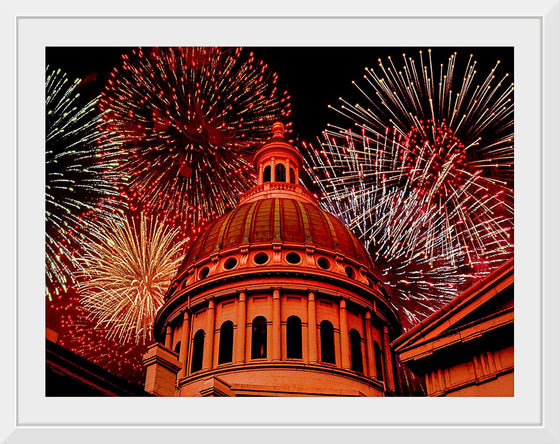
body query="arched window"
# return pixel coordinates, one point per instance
(178, 347)
(356, 351)
(280, 173)
(327, 342)
(293, 337)
(378, 360)
(225, 353)
(266, 174)
(258, 339)
(198, 351)
(292, 176)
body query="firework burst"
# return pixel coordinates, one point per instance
(76, 182)
(424, 175)
(187, 121)
(125, 271)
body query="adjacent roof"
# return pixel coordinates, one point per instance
(482, 308)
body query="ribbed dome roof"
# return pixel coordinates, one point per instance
(282, 219)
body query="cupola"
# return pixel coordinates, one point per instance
(277, 160)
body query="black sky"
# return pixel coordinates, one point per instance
(314, 76)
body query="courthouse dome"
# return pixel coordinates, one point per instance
(277, 297)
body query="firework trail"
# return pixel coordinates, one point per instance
(125, 271)
(76, 181)
(186, 122)
(424, 175)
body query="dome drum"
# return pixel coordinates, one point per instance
(298, 281)
(276, 305)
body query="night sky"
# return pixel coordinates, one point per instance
(313, 76)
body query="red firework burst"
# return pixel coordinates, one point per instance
(186, 122)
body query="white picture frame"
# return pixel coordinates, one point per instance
(531, 416)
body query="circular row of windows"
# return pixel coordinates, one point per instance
(262, 258)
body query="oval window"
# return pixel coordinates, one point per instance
(324, 263)
(260, 258)
(350, 272)
(293, 258)
(204, 272)
(230, 264)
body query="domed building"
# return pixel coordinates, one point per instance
(275, 298)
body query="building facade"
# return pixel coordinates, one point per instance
(276, 297)
(466, 348)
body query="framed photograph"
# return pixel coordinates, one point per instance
(316, 44)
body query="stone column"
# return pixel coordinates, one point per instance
(276, 332)
(370, 369)
(209, 340)
(344, 338)
(388, 361)
(184, 351)
(241, 327)
(312, 327)
(168, 338)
